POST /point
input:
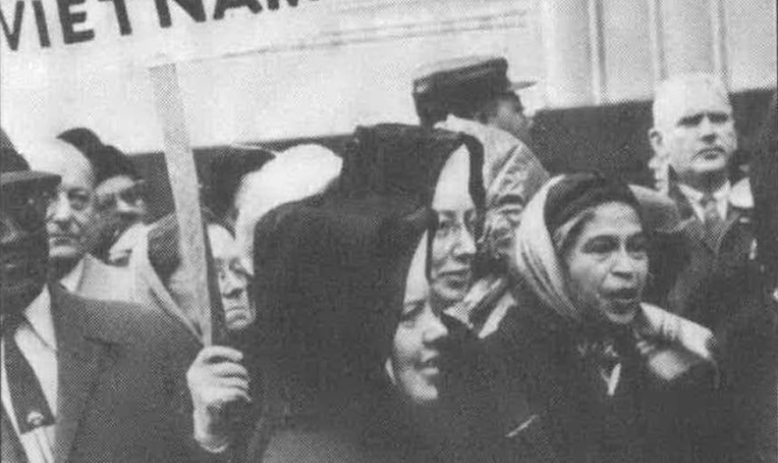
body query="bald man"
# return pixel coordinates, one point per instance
(73, 226)
(694, 139)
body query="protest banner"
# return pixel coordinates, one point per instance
(93, 37)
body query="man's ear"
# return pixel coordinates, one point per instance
(655, 137)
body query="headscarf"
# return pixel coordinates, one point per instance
(562, 199)
(331, 268)
(536, 259)
(671, 344)
(511, 174)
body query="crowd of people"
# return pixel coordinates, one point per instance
(432, 294)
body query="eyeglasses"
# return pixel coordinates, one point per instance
(131, 195)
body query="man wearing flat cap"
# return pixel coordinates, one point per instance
(475, 88)
(82, 380)
(473, 95)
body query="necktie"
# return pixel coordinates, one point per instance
(710, 212)
(30, 405)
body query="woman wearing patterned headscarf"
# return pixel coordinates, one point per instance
(605, 376)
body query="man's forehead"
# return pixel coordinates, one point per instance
(684, 100)
(57, 157)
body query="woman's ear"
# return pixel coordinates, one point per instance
(390, 371)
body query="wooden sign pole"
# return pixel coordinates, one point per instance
(184, 184)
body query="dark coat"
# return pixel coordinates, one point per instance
(328, 289)
(705, 278)
(555, 405)
(122, 384)
(326, 326)
(717, 282)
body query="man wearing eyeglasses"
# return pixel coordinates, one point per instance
(74, 225)
(119, 196)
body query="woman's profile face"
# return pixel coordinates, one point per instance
(607, 266)
(453, 247)
(415, 358)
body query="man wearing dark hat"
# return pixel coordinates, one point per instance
(74, 226)
(82, 380)
(475, 88)
(119, 196)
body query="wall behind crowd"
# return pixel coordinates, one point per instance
(611, 138)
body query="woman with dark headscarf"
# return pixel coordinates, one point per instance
(607, 377)
(326, 287)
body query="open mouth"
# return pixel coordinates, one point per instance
(625, 296)
(430, 366)
(457, 275)
(63, 240)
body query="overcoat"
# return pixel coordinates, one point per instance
(122, 394)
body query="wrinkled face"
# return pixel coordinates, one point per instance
(24, 253)
(453, 246)
(607, 266)
(509, 116)
(415, 351)
(71, 220)
(233, 279)
(120, 200)
(696, 133)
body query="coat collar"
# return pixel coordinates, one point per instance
(740, 207)
(739, 198)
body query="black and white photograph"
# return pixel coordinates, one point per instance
(389, 231)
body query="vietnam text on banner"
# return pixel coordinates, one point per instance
(145, 32)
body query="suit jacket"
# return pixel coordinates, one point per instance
(122, 393)
(705, 277)
(104, 282)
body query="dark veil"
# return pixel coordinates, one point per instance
(330, 271)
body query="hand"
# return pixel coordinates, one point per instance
(217, 382)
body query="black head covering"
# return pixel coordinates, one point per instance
(330, 270)
(580, 191)
(405, 161)
(107, 160)
(227, 171)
